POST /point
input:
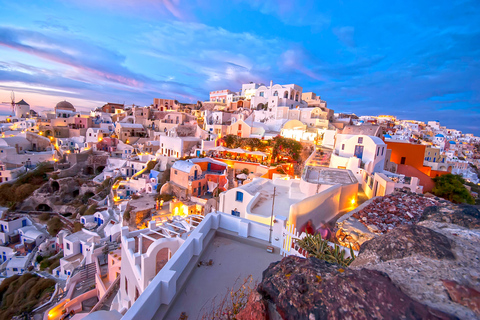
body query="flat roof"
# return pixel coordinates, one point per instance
(233, 261)
(331, 176)
(283, 199)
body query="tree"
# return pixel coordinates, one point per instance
(54, 226)
(451, 187)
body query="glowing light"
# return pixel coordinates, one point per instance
(352, 201)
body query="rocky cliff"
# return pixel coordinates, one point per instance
(427, 270)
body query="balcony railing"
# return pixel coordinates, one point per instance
(198, 177)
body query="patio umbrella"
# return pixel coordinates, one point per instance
(237, 150)
(242, 176)
(219, 148)
(258, 153)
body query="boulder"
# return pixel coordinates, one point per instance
(463, 215)
(419, 259)
(300, 288)
(408, 240)
(256, 308)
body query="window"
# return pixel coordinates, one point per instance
(239, 127)
(262, 94)
(176, 172)
(382, 150)
(275, 94)
(343, 147)
(378, 152)
(403, 160)
(360, 139)
(14, 269)
(239, 196)
(68, 246)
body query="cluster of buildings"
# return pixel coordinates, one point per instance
(167, 191)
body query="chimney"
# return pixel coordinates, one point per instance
(271, 83)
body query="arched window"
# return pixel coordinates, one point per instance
(296, 97)
(285, 95)
(275, 94)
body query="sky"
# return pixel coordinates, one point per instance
(412, 59)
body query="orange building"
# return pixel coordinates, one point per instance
(409, 158)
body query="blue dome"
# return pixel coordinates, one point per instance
(439, 136)
(387, 136)
(452, 142)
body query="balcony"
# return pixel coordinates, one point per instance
(198, 177)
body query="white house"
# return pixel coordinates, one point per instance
(77, 247)
(144, 253)
(17, 265)
(9, 227)
(359, 151)
(319, 195)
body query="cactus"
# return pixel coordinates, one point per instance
(319, 248)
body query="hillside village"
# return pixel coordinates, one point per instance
(152, 212)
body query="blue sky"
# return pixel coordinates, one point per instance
(413, 59)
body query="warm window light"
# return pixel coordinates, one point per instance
(352, 201)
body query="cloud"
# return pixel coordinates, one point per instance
(216, 57)
(294, 60)
(294, 13)
(345, 35)
(143, 8)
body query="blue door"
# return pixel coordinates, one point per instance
(359, 151)
(209, 168)
(24, 223)
(81, 248)
(199, 190)
(195, 175)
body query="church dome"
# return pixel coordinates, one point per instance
(65, 105)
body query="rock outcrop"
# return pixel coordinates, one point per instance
(381, 215)
(443, 248)
(429, 269)
(297, 288)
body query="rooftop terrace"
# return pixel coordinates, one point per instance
(233, 261)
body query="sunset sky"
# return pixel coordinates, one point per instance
(412, 59)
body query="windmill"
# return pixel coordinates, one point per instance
(12, 102)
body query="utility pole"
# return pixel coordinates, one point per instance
(271, 216)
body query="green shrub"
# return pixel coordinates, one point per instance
(54, 225)
(77, 226)
(126, 214)
(82, 209)
(91, 210)
(451, 187)
(19, 294)
(44, 216)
